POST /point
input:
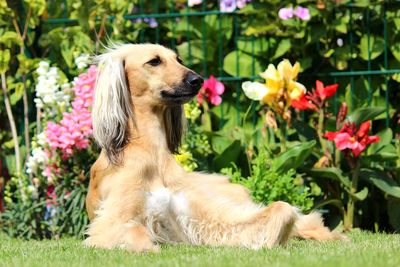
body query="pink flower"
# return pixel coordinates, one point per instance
(242, 3)
(212, 91)
(302, 13)
(227, 5)
(351, 138)
(76, 126)
(285, 13)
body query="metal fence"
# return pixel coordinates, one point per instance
(176, 34)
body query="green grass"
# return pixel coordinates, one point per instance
(365, 249)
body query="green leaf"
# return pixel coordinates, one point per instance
(386, 153)
(9, 37)
(335, 202)
(341, 22)
(230, 154)
(293, 157)
(360, 195)
(361, 3)
(382, 181)
(393, 209)
(332, 173)
(241, 64)
(17, 94)
(219, 25)
(252, 45)
(365, 114)
(395, 49)
(373, 49)
(386, 136)
(192, 52)
(283, 46)
(4, 60)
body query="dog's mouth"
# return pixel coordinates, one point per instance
(178, 96)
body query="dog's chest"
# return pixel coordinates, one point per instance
(166, 213)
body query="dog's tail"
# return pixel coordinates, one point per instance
(311, 226)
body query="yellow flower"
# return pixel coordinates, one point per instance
(185, 158)
(295, 90)
(287, 71)
(273, 81)
(280, 85)
(254, 90)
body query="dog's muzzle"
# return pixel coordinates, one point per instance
(184, 91)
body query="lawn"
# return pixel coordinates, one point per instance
(365, 249)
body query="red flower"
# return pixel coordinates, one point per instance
(350, 138)
(316, 98)
(212, 90)
(325, 92)
(302, 103)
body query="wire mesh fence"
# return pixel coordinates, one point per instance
(361, 55)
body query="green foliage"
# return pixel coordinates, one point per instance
(294, 157)
(267, 184)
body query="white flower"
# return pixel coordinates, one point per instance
(49, 94)
(41, 139)
(254, 90)
(44, 64)
(82, 61)
(194, 2)
(339, 42)
(36, 160)
(43, 68)
(33, 190)
(38, 102)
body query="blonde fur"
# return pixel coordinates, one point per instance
(145, 196)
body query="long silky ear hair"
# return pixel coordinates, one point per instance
(112, 107)
(174, 124)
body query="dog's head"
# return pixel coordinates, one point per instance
(140, 74)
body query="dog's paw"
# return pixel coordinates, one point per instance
(140, 241)
(144, 247)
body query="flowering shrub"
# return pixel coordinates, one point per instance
(57, 168)
(74, 129)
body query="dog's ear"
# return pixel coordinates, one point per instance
(112, 107)
(174, 121)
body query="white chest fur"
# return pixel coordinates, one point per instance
(166, 214)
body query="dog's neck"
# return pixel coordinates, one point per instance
(146, 129)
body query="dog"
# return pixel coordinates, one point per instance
(139, 196)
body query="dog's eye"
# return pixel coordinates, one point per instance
(155, 61)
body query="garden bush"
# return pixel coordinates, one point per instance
(300, 102)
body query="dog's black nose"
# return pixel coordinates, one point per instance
(194, 80)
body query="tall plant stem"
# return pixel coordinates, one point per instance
(26, 119)
(12, 124)
(349, 218)
(22, 37)
(321, 117)
(282, 135)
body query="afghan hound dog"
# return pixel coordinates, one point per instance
(139, 196)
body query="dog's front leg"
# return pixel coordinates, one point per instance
(119, 223)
